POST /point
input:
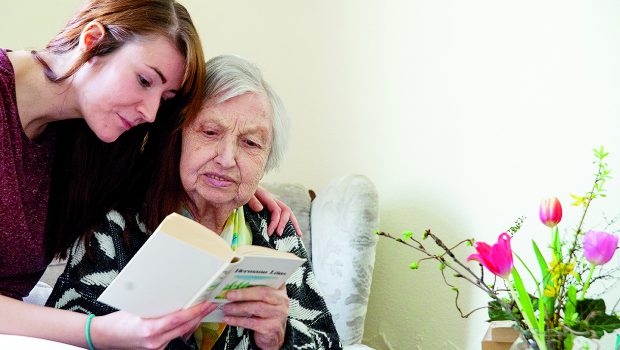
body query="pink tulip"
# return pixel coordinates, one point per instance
(599, 247)
(550, 211)
(496, 258)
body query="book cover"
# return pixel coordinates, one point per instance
(184, 263)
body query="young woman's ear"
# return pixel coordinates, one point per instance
(91, 35)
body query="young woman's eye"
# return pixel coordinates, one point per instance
(143, 81)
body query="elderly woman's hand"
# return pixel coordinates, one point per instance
(280, 212)
(261, 309)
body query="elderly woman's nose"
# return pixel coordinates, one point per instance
(226, 153)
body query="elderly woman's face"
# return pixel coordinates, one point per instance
(225, 150)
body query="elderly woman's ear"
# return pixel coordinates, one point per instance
(280, 212)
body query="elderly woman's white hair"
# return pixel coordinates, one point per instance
(229, 76)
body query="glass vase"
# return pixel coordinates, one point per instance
(522, 344)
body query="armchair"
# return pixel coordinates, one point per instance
(338, 224)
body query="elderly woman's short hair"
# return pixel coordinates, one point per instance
(229, 76)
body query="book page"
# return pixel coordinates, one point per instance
(165, 275)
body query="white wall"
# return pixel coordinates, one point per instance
(464, 114)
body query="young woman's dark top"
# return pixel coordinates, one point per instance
(25, 171)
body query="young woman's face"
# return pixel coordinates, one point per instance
(125, 88)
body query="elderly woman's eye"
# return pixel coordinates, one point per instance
(210, 132)
(251, 143)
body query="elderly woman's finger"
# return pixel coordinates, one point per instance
(268, 333)
(260, 293)
(255, 309)
(242, 321)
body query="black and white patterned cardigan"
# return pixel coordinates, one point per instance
(89, 272)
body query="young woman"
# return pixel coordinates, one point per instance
(112, 66)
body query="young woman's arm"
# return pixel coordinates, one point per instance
(280, 212)
(116, 330)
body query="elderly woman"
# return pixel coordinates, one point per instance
(210, 168)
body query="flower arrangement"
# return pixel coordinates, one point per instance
(558, 309)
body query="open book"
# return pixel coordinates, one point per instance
(184, 263)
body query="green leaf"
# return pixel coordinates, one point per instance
(544, 269)
(587, 307)
(442, 266)
(541, 313)
(592, 317)
(571, 305)
(602, 323)
(407, 235)
(497, 313)
(568, 341)
(600, 153)
(525, 301)
(578, 200)
(546, 281)
(414, 265)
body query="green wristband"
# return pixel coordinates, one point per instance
(88, 340)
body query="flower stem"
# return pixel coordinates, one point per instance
(587, 284)
(555, 249)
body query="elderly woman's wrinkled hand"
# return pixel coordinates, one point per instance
(261, 309)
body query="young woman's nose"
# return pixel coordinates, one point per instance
(148, 108)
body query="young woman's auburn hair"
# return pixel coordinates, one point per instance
(91, 177)
(130, 20)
